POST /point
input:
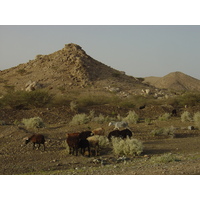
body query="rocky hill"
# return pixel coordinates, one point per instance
(67, 69)
(175, 81)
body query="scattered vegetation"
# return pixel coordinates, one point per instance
(23, 99)
(188, 98)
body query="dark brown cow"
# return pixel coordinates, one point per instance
(85, 134)
(78, 140)
(36, 139)
(174, 112)
(121, 134)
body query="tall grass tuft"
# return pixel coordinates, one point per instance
(127, 147)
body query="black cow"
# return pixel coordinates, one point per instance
(121, 134)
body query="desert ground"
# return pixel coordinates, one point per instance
(182, 151)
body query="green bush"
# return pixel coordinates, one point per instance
(196, 119)
(186, 117)
(33, 123)
(127, 147)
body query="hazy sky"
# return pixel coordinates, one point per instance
(140, 51)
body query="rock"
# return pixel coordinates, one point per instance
(31, 86)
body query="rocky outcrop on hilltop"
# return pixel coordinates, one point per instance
(67, 69)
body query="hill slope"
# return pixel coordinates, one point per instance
(175, 81)
(66, 69)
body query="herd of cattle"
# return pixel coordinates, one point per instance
(85, 139)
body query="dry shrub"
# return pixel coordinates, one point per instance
(147, 121)
(73, 106)
(101, 119)
(165, 158)
(33, 123)
(103, 141)
(164, 117)
(164, 131)
(132, 117)
(79, 119)
(186, 116)
(127, 147)
(196, 119)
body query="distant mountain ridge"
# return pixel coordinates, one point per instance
(174, 81)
